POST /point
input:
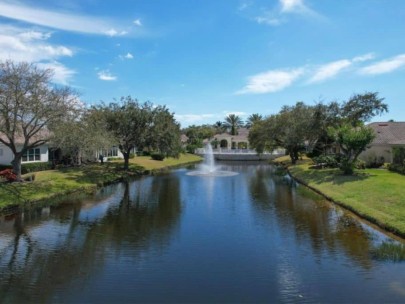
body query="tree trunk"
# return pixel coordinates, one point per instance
(126, 160)
(16, 162)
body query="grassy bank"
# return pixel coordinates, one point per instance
(375, 194)
(48, 184)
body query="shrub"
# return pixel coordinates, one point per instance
(131, 155)
(35, 167)
(9, 175)
(157, 156)
(397, 168)
(113, 158)
(329, 161)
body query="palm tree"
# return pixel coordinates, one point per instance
(219, 127)
(252, 119)
(234, 122)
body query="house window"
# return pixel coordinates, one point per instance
(113, 152)
(32, 155)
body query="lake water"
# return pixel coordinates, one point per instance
(253, 237)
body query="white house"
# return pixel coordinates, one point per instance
(39, 154)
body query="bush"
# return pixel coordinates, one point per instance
(329, 161)
(397, 168)
(157, 156)
(35, 167)
(131, 155)
(113, 158)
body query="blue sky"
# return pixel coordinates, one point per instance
(205, 59)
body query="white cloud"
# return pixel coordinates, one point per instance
(106, 76)
(271, 81)
(61, 74)
(384, 66)
(329, 70)
(58, 20)
(138, 22)
(277, 15)
(112, 33)
(20, 44)
(288, 6)
(297, 7)
(332, 69)
(129, 56)
(364, 57)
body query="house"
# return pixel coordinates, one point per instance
(388, 136)
(38, 154)
(228, 141)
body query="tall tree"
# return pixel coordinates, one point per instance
(252, 119)
(29, 103)
(219, 127)
(81, 134)
(233, 122)
(361, 108)
(290, 129)
(164, 135)
(129, 122)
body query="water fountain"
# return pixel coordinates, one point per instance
(208, 167)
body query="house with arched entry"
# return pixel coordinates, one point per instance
(228, 141)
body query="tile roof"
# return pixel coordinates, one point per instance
(391, 133)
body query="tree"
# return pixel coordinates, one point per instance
(164, 135)
(129, 122)
(81, 134)
(252, 119)
(361, 108)
(352, 141)
(233, 122)
(29, 103)
(219, 127)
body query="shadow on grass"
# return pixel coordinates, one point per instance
(334, 176)
(98, 174)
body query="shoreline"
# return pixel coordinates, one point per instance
(370, 219)
(89, 188)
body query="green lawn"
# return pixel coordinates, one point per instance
(375, 194)
(48, 184)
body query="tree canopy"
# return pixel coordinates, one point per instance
(29, 103)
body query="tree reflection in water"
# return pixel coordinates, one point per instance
(70, 243)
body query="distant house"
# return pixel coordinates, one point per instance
(228, 141)
(388, 136)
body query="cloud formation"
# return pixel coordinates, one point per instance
(277, 80)
(106, 76)
(384, 66)
(58, 20)
(20, 44)
(329, 70)
(61, 74)
(271, 81)
(276, 16)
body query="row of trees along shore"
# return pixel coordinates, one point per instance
(316, 128)
(34, 111)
